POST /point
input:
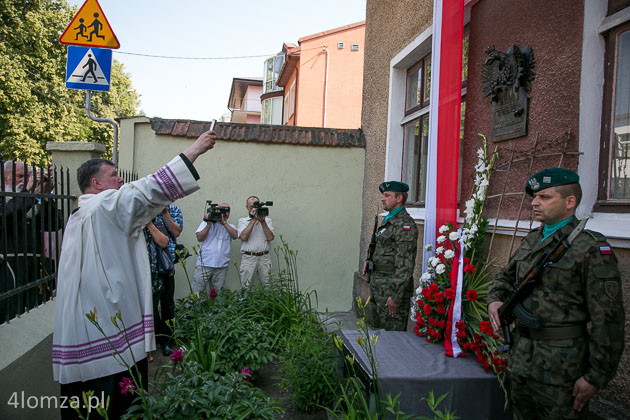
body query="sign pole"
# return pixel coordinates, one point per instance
(88, 98)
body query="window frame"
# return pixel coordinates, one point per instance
(604, 203)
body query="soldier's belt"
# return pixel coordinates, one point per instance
(383, 268)
(553, 333)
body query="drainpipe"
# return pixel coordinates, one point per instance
(107, 120)
(325, 89)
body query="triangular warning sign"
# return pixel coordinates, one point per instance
(88, 71)
(90, 28)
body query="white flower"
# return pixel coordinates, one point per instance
(425, 277)
(433, 261)
(428, 247)
(480, 153)
(453, 236)
(440, 269)
(419, 289)
(449, 254)
(443, 228)
(439, 250)
(441, 239)
(470, 207)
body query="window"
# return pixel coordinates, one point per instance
(272, 111)
(289, 104)
(271, 72)
(615, 147)
(418, 85)
(415, 124)
(340, 45)
(415, 142)
(355, 47)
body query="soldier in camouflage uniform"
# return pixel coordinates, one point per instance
(556, 370)
(394, 260)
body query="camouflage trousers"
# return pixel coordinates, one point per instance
(532, 399)
(381, 289)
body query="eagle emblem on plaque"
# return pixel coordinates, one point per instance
(506, 78)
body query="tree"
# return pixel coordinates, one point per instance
(35, 105)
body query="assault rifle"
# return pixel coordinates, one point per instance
(370, 253)
(512, 308)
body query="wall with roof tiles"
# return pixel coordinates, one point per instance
(313, 176)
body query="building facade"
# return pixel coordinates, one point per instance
(244, 102)
(576, 117)
(322, 78)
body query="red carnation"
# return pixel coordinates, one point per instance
(434, 287)
(469, 268)
(418, 332)
(466, 260)
(420, 322)
(427, 293)
(486, 328)
(460, 325)
(441, 324)
(438, 297)
(460, 334)
(472, 295)
(427, 309)
(420, 302)
(450, 293)
(440, 309)
(432, 322)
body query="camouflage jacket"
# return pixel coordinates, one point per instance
(583, 286)
(396, 244)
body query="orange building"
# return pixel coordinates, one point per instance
(322, 79)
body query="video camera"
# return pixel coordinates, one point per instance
(261, 210)
(214, 212)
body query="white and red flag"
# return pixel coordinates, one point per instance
(444, 127)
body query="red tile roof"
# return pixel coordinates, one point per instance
(258, 133)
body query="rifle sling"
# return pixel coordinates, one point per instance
(553, 333)
(526, 293)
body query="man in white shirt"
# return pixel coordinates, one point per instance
(256, 233)
(104, 269)
(213, 260)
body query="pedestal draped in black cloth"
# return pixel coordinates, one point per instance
(411, 367)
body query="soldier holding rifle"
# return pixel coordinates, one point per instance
(561, 278)
(391, 260)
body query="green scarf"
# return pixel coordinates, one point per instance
(549, 230)
(393, 213)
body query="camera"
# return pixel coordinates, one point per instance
(261, 210)
(214, 212)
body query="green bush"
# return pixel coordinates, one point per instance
(223, 325)
(193, 393)
(308, 362)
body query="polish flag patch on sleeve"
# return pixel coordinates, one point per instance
(406, 227)
(605, 250)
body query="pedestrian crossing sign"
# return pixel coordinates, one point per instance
(90, 28)
(88, 68)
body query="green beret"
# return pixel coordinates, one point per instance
(550, 177)
(393, 186)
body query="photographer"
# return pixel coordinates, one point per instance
(256, 233)
(215, 237)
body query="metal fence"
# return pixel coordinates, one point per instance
(34, 205)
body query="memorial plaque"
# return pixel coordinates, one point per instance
(506, 77)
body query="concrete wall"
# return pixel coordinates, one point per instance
(316, 193)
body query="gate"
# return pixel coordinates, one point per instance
(34, 206)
